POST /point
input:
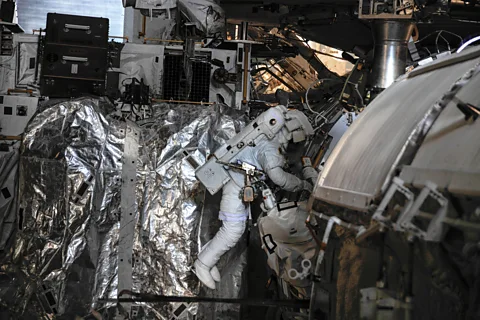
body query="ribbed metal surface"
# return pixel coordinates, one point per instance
(450, 154)
(32, 14)
(366, 155)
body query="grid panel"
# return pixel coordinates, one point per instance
(200, 82)
(175, 85)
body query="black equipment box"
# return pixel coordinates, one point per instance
(57, 87)
(74, 56)
(113, 72)
(74, 62)
(77, 30)
(7, 10)
(70, 71)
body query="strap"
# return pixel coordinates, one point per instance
(293, 205)
(270, 247)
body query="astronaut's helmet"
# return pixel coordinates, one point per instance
(297, 127)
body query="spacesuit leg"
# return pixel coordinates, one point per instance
(214, 271)
(234, 215)
(226, 238)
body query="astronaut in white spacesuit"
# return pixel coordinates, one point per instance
(261, 144)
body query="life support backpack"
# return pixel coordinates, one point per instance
(288, 243)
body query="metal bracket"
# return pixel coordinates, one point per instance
(435, 227)
(181, 311)
(128, 211)
(379, 215)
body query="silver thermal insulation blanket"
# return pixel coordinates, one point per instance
(107, 205)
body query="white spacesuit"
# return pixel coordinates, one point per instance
(262, 147)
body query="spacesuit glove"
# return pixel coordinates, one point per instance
(307, 186)
(310, 174)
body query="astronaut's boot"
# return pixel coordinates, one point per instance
(215, 274)
(214, 271)
(203, 273)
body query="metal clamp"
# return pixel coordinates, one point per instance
(379, 215)
(243, 167)
(306, 266)
(434, 230)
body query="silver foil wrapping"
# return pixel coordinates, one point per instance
(64, 258)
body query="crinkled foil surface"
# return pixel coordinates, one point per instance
(63, 258)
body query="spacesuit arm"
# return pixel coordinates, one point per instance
(272, 162)
(287, 181)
